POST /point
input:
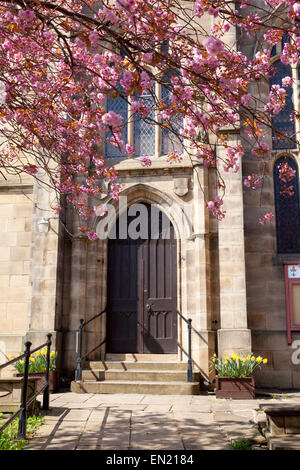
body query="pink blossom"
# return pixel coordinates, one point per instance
(129, 149)
(147, 56)
(296, 8)
(287, 81)
(213, 46)
(246, 99)
(94, 37)
(266, 218)
(112, 119)
(91, 235)
(27, 15)
(214, 206)
(31, 169)
(145, 161)
(146, 83)
(100, 210)
(253, 181)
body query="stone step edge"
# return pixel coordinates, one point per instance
(135, 362)
(135, 382)
(140, 371)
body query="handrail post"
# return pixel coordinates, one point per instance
(79, 360)
(23, 417)
(46, 391)
(190, 366)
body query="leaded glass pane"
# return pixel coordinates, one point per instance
(283, 122)
(144, 129)
(287, 211)
(119, 106)
(170, 141)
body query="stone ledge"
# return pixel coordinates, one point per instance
(283, 442)
(282, 419)
(282, 409)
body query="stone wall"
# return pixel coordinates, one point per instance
(28, 266)
(16, 209)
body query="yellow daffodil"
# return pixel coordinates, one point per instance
(37, 354)
(10, 357)
(52, 353)
(244, 359)
(252, 358)
(237, 358)
(226, 362)
(215, 355)
(248, 358)
(234, 356)
(213, 360)
(32, 359)
(259, 359)
(22, 362)
(265, 361)
(226, 357)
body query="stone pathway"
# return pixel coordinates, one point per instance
(141, 422)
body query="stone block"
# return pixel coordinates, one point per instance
(19, 253)
(4, 254)
(234, 341)
(19, 281)
(16, 224)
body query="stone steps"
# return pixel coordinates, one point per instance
(138, 375)
(137, 357)
(143, 387)
(159, 374)
(136, 365)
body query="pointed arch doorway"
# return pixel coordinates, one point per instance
(142, 289)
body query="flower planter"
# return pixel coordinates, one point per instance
(53, 379)
(235, 387)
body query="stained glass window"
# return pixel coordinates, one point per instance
(287, 210)
(283, 122)
(144, 129)
(170, 141)
(119, 106)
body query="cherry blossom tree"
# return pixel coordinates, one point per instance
(61, 60)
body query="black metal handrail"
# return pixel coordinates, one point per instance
(45, 388)
(81, 357)
(189, 353)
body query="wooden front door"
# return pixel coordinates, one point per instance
(142, 293)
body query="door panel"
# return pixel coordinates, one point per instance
(160, 300)
(122, 296)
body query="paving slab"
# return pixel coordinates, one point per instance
(140, 422)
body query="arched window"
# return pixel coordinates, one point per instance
(287, 210)
(283, 122)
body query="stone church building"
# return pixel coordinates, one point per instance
(238, 281)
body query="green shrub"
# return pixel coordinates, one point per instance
(241, 445)
(8, 438)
